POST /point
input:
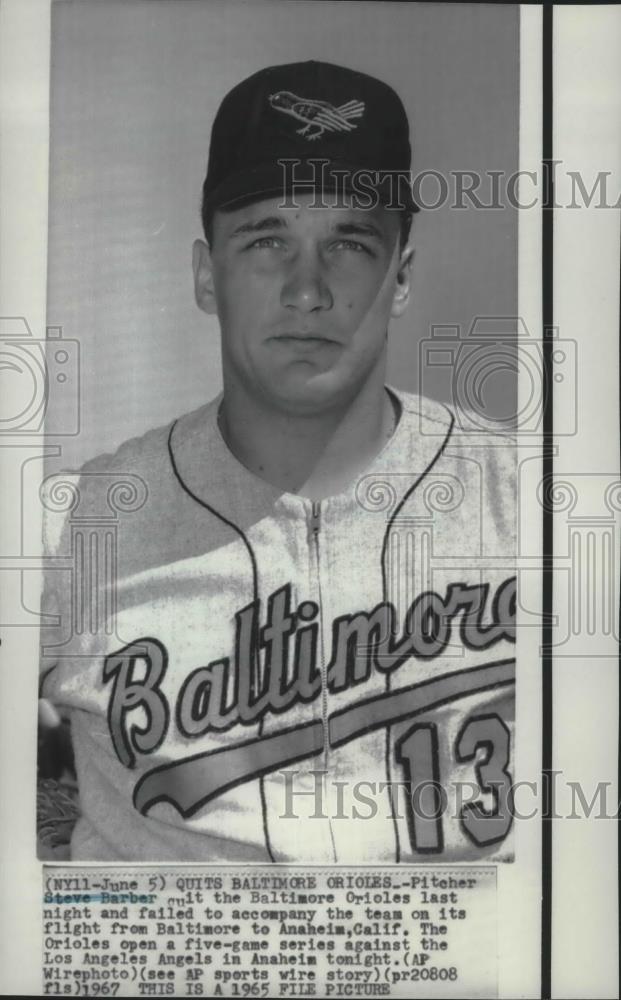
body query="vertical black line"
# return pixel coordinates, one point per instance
(547, 275)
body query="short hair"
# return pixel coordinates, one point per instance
(405, 223)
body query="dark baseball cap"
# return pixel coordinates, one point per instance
(309, 125)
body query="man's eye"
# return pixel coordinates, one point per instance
(352, 245)
(270, 242)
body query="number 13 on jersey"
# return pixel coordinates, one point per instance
(453, 769)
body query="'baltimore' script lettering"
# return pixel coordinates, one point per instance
(275, 666)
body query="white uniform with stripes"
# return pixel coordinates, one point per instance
(253, 677)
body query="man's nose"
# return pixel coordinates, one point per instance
(306, 287)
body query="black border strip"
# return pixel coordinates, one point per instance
(547, 303)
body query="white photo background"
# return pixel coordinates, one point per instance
(135, 85)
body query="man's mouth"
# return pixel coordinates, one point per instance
(306, 341)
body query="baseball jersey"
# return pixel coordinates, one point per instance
(256, 677)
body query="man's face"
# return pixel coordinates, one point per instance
(304, 297)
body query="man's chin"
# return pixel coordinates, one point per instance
(311, 395)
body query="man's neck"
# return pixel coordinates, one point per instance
(316, 456)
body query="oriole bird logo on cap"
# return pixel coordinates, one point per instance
(318, 116)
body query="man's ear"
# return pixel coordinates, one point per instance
(203, 277)
(401, 295)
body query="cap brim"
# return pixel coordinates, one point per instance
(273, 179)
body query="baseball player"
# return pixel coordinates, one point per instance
(296, 644)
